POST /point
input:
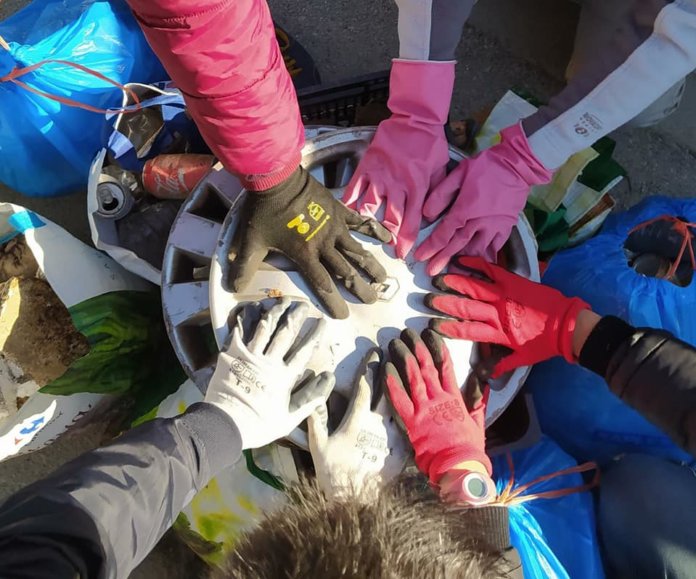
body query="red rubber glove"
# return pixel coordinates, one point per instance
(422, 388)
(535, 321)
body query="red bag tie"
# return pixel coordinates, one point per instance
(18, 72)
(509, 497)
(682, 227)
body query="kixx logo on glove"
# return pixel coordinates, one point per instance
(317, 214)
(373, 446)
(245, 375)
(447, 412)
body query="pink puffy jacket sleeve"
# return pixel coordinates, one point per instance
(223, 56)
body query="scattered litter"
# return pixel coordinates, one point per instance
(274, 293)
(38, 340)
(17, 260)
(153, 159)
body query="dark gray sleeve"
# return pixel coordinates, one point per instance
(101, 514)
(431, 29)
(650, 370)
(491, 526)
(649, 53)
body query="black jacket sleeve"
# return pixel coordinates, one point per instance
(491, 527)
(101, 514)
(650, 370)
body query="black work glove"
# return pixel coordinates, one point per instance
(301, 219)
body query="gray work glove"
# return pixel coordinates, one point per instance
(367, 450)
(254, 379)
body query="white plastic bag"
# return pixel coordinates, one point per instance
(76, 273)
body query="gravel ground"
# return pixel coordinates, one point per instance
(511, 43)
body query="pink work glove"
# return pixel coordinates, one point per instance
(535, 321)
(489, 191)
(409, 152)
(423, 389)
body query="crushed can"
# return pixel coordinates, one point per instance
(114, 201)
(175, 176)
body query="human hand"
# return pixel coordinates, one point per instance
(535, 321)
(367, 450)
(255, 377)
(489, 192)
(301, 219)
(409, 152)
(445, 431)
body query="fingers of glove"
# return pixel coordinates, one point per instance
(349, 276)
(395, 390)
(441, 197)
(371, 201)
(325, 290)
(492, 251)
(394, 211)
(361, 257)
(440, 252)
(410, 227)
(246, 263)
(300, 356)
(437, 240)
(267, 326)
(409, 370)
(365, 225)
(466, 285)
(355, 188)
(242, 328)
(442, 360)
(310, 396)
(481, 240)
(464, 309)
(287, 331)
(444, 257)
(428, 371)
(363, 389)
(473, 331)
(318, 429)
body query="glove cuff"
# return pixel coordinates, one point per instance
(567, 328)
(444, 461)
(258, 183)
(421, 90)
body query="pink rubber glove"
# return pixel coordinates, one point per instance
(490, 189)
(409, 153)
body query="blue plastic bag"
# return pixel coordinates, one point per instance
(46, 147)
(554, 537)
(575, 406)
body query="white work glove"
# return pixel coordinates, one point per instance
(254, 381)
(367, 450)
